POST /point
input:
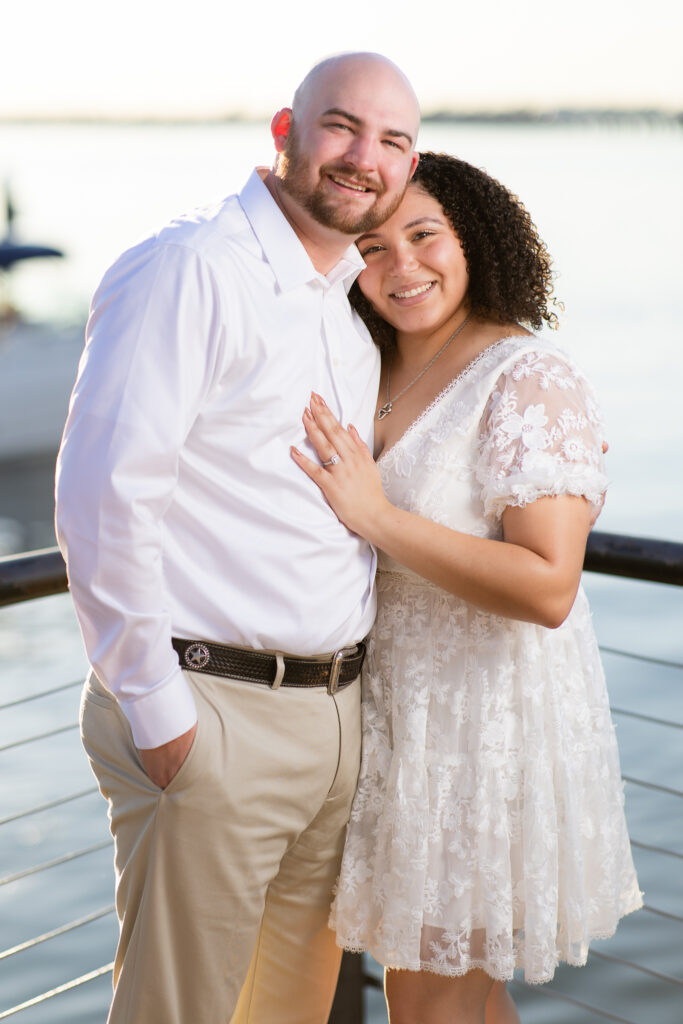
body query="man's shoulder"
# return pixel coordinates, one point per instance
(216, 236)
(216, 227)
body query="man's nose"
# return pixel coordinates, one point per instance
(361, 153)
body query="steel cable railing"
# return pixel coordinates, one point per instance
(597, 1011)
(66, 858)
(31, 576)
(549, 993)
(42, 693)
(656, 786)
(656, 849)
(39, 736)
(68, 986)
(63, 929)
(50, 805)
(642, 657)
(636, 967)
(646, 718)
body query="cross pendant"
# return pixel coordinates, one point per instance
(384, 411)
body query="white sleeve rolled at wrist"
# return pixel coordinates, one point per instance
(161, 714)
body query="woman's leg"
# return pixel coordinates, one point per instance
(500, 1007)
(419, 997)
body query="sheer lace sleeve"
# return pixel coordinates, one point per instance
(541, 435)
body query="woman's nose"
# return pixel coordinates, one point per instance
(401, 259)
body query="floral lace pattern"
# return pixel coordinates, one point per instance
(488, 827)
(540, 436)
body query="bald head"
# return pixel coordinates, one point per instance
(346, 147)
(370, 71)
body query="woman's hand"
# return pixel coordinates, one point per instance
(350, 482)
(532, 574)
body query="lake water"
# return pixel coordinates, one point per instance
(608, 203)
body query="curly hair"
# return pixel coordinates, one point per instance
(510, 276)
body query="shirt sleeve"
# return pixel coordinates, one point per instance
(541, 435)
(150, 349)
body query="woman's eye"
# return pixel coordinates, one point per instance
(370, 250)
(423, 234)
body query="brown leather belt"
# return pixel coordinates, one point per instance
(273, 670)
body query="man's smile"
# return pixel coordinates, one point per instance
(355, 186)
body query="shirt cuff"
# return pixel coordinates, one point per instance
(163, 714)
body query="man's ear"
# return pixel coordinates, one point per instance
(413, 166)
(280, 126)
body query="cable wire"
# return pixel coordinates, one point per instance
(62, 930)
(48, 807)
(66, 987)
(8, 879)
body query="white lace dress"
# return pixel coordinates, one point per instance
(488, 828)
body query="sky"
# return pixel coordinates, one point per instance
(210, 58)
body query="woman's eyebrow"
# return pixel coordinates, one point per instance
(422, 220)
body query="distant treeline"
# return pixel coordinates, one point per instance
(595, 115)
(563, 116)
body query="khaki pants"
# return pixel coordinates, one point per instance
(224, 878)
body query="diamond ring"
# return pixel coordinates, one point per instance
(332, 461)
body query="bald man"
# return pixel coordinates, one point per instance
(222, 604)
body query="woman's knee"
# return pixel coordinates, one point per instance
(420, 997)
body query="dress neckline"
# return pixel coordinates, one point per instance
(449, 387)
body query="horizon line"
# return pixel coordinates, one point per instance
(517, 114)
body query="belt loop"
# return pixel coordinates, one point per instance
(279, 672)
(335, 670)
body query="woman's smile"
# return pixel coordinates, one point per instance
(416, 292)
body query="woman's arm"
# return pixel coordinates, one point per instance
(532, 575)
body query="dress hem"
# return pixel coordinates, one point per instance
(483, 965)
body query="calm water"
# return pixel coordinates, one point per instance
(608, 204)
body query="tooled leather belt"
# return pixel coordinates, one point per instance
(271, 669)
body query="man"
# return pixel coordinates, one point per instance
(194, 544)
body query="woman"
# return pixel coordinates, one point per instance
(488, 829)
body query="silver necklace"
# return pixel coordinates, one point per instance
(389, 404)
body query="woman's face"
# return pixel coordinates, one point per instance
(416, 276)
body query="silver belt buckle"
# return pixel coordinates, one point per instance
(335, 671)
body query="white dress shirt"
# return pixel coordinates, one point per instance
(179, 509)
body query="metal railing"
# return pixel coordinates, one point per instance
(41, 573)
(38, 574)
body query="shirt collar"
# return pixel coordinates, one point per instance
(287, 257)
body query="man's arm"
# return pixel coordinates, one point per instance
(145, 371)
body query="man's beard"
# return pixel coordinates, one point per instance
(295, 171)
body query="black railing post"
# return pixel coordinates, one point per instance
(347, 1007)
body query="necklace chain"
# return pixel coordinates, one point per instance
(389, 404)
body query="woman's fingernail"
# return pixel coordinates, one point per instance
(316, 398)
